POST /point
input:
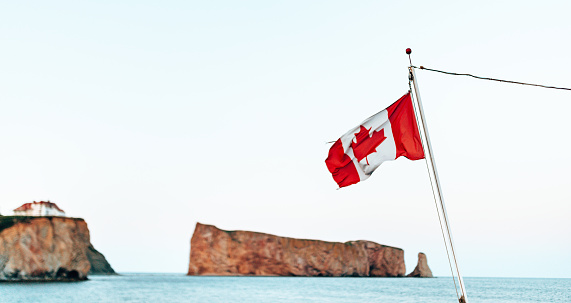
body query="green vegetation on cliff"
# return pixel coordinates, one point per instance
(9, 221)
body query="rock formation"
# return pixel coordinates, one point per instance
(99, 265)
(47, 249)
(421, 270)
(242, 253)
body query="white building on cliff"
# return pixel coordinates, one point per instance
(41, 208)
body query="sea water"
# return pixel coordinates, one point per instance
(156, 288)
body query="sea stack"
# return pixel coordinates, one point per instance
(242, 253)
(421, 270)
(47, 249)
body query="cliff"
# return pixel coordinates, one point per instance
(99, 265)
(421, 270)
(242, 253)
(47, 249)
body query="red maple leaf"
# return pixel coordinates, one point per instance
(366, 144)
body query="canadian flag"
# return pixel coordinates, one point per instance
(385, 136)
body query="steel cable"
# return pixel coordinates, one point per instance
(490, 79)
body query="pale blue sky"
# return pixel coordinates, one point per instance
(144, 117)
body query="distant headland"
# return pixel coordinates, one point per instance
(40, 244)
(242, 253)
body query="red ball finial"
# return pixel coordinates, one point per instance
(408, 51)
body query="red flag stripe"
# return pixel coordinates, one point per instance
(341, 166)
(405, 129)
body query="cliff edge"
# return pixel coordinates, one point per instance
(243, 253)
(47, 249)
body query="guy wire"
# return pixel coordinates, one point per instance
(490, 79)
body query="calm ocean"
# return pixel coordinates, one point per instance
(157, 288)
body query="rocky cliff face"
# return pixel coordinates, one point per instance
(46, 249)
(236, 253)
(99, 265)
(421, 270)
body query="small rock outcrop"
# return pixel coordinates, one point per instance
(99, 265)
(46, 249)
(421, 270)
(243, 253)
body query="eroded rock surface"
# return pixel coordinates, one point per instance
(45, 249)
(99, 265)
(421, 270)
(236, 253)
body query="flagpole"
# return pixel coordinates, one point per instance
(433, 172)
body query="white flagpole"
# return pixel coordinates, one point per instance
(436, 184)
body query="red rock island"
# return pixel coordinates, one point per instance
(422, 270)
(243, 253)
